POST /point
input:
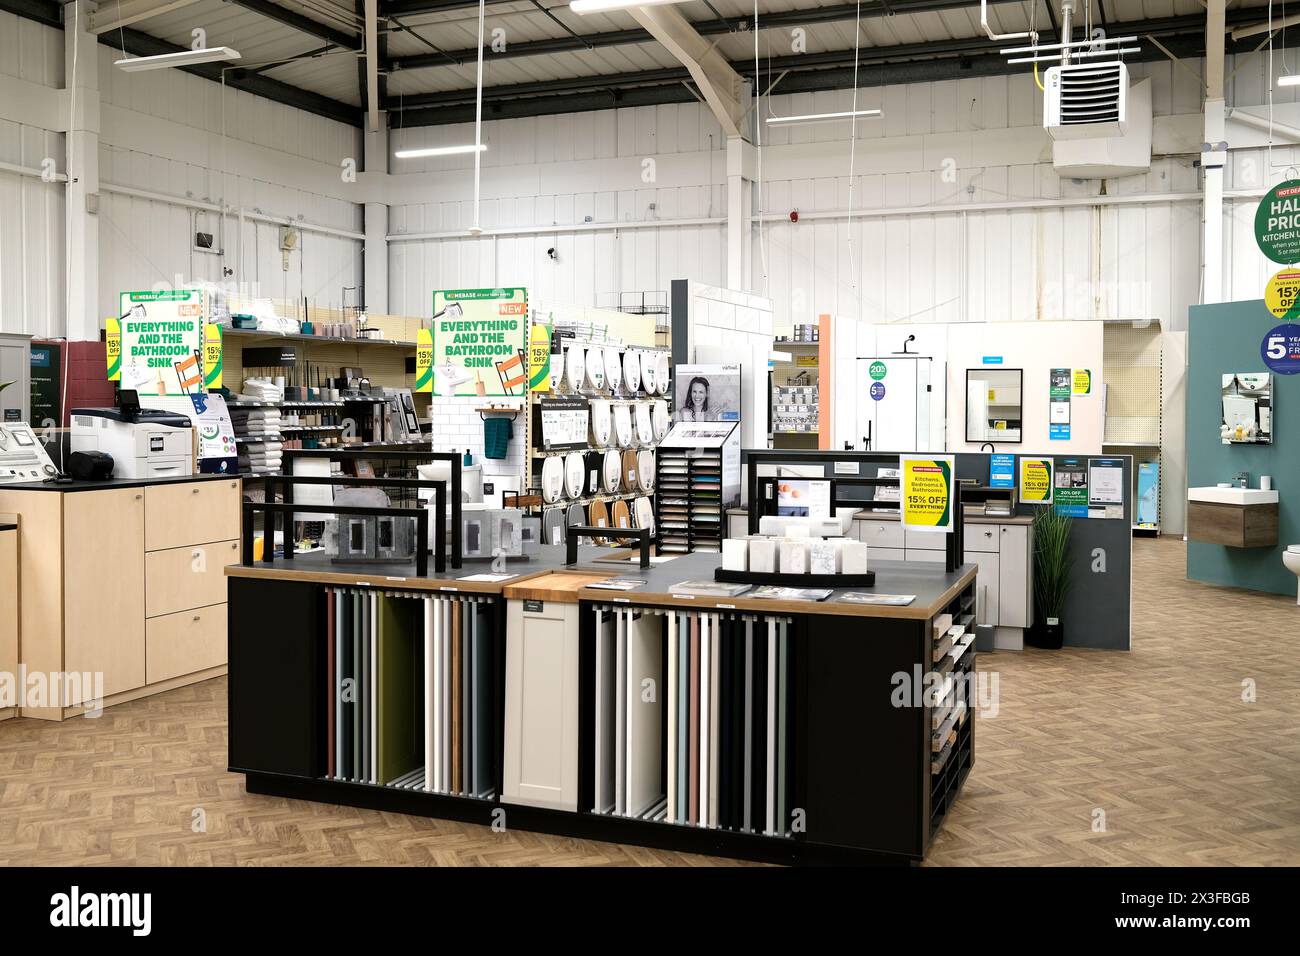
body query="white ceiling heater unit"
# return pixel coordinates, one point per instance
(1100, 126)
(1086, 100)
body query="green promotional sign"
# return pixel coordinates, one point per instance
(877, 370)
(478, 347)
(1277, 223)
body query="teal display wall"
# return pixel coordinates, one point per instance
(1226, 338)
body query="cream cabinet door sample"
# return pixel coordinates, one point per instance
(1014, 599)
(103, 588)
(541, 721)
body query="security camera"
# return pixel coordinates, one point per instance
(553, 254)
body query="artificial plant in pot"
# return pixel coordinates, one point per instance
(1052, 566)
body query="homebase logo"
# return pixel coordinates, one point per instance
(75, 909)
(39, 689)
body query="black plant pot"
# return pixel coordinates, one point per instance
(1045, 634)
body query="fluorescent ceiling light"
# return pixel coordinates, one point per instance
(1291, 79)
(440, 151)
(162, 61)
(821, 117)
(600, 6)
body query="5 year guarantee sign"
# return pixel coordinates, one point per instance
(1277, 223)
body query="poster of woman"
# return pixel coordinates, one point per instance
(707, 393)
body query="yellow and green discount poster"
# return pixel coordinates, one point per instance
(1036, 480)
(480, 337)
(927, 492)
(424, 360)
(539, 358)
(161, 342)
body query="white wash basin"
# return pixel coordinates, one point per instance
(1233, 496)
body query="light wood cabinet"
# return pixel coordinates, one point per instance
(191, 512)
(541, 718)
(103, 590)
(9, 613)
(179, 579)
(186, 641)
(112, 580)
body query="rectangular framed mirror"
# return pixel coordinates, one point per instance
(1247, 406)
(993, 405)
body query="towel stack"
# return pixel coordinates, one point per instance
(258, 431)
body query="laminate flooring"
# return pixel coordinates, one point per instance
(1097, 758)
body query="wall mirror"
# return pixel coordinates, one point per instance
(993, 403)
(1247, 404)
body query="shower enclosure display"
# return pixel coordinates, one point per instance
(1247, 402)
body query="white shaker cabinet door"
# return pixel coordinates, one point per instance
(1015, 591)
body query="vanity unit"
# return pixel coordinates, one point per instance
(1002, 549)
(1234, 517)
(123, 578)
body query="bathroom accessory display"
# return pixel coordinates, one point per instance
(1247, 406)
(574, 474)
(552, 479)
(557, 370)
(601, 423)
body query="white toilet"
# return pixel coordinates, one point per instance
(1291, 558)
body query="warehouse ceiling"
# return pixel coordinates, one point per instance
(542, 58)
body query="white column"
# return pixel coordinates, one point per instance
(738, 207)
(1213, 156)
(376, 218)
(81, 82)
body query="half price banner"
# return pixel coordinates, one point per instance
(481, 350)
(928, 492)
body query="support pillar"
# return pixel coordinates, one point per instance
(376, 223)
(82, 321)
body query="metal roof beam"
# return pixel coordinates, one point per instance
(710, 27)
(303, 24)
(581, 94)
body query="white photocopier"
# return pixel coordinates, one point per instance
(144, 442)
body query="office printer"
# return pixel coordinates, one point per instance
(144, 442)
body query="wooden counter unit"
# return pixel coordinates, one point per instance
(123, 579)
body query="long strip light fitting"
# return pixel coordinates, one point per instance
(138, 64)
(440, 151)
(820, 117)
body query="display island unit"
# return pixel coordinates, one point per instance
(780, 730)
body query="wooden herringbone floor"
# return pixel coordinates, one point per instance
(1159, 740)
